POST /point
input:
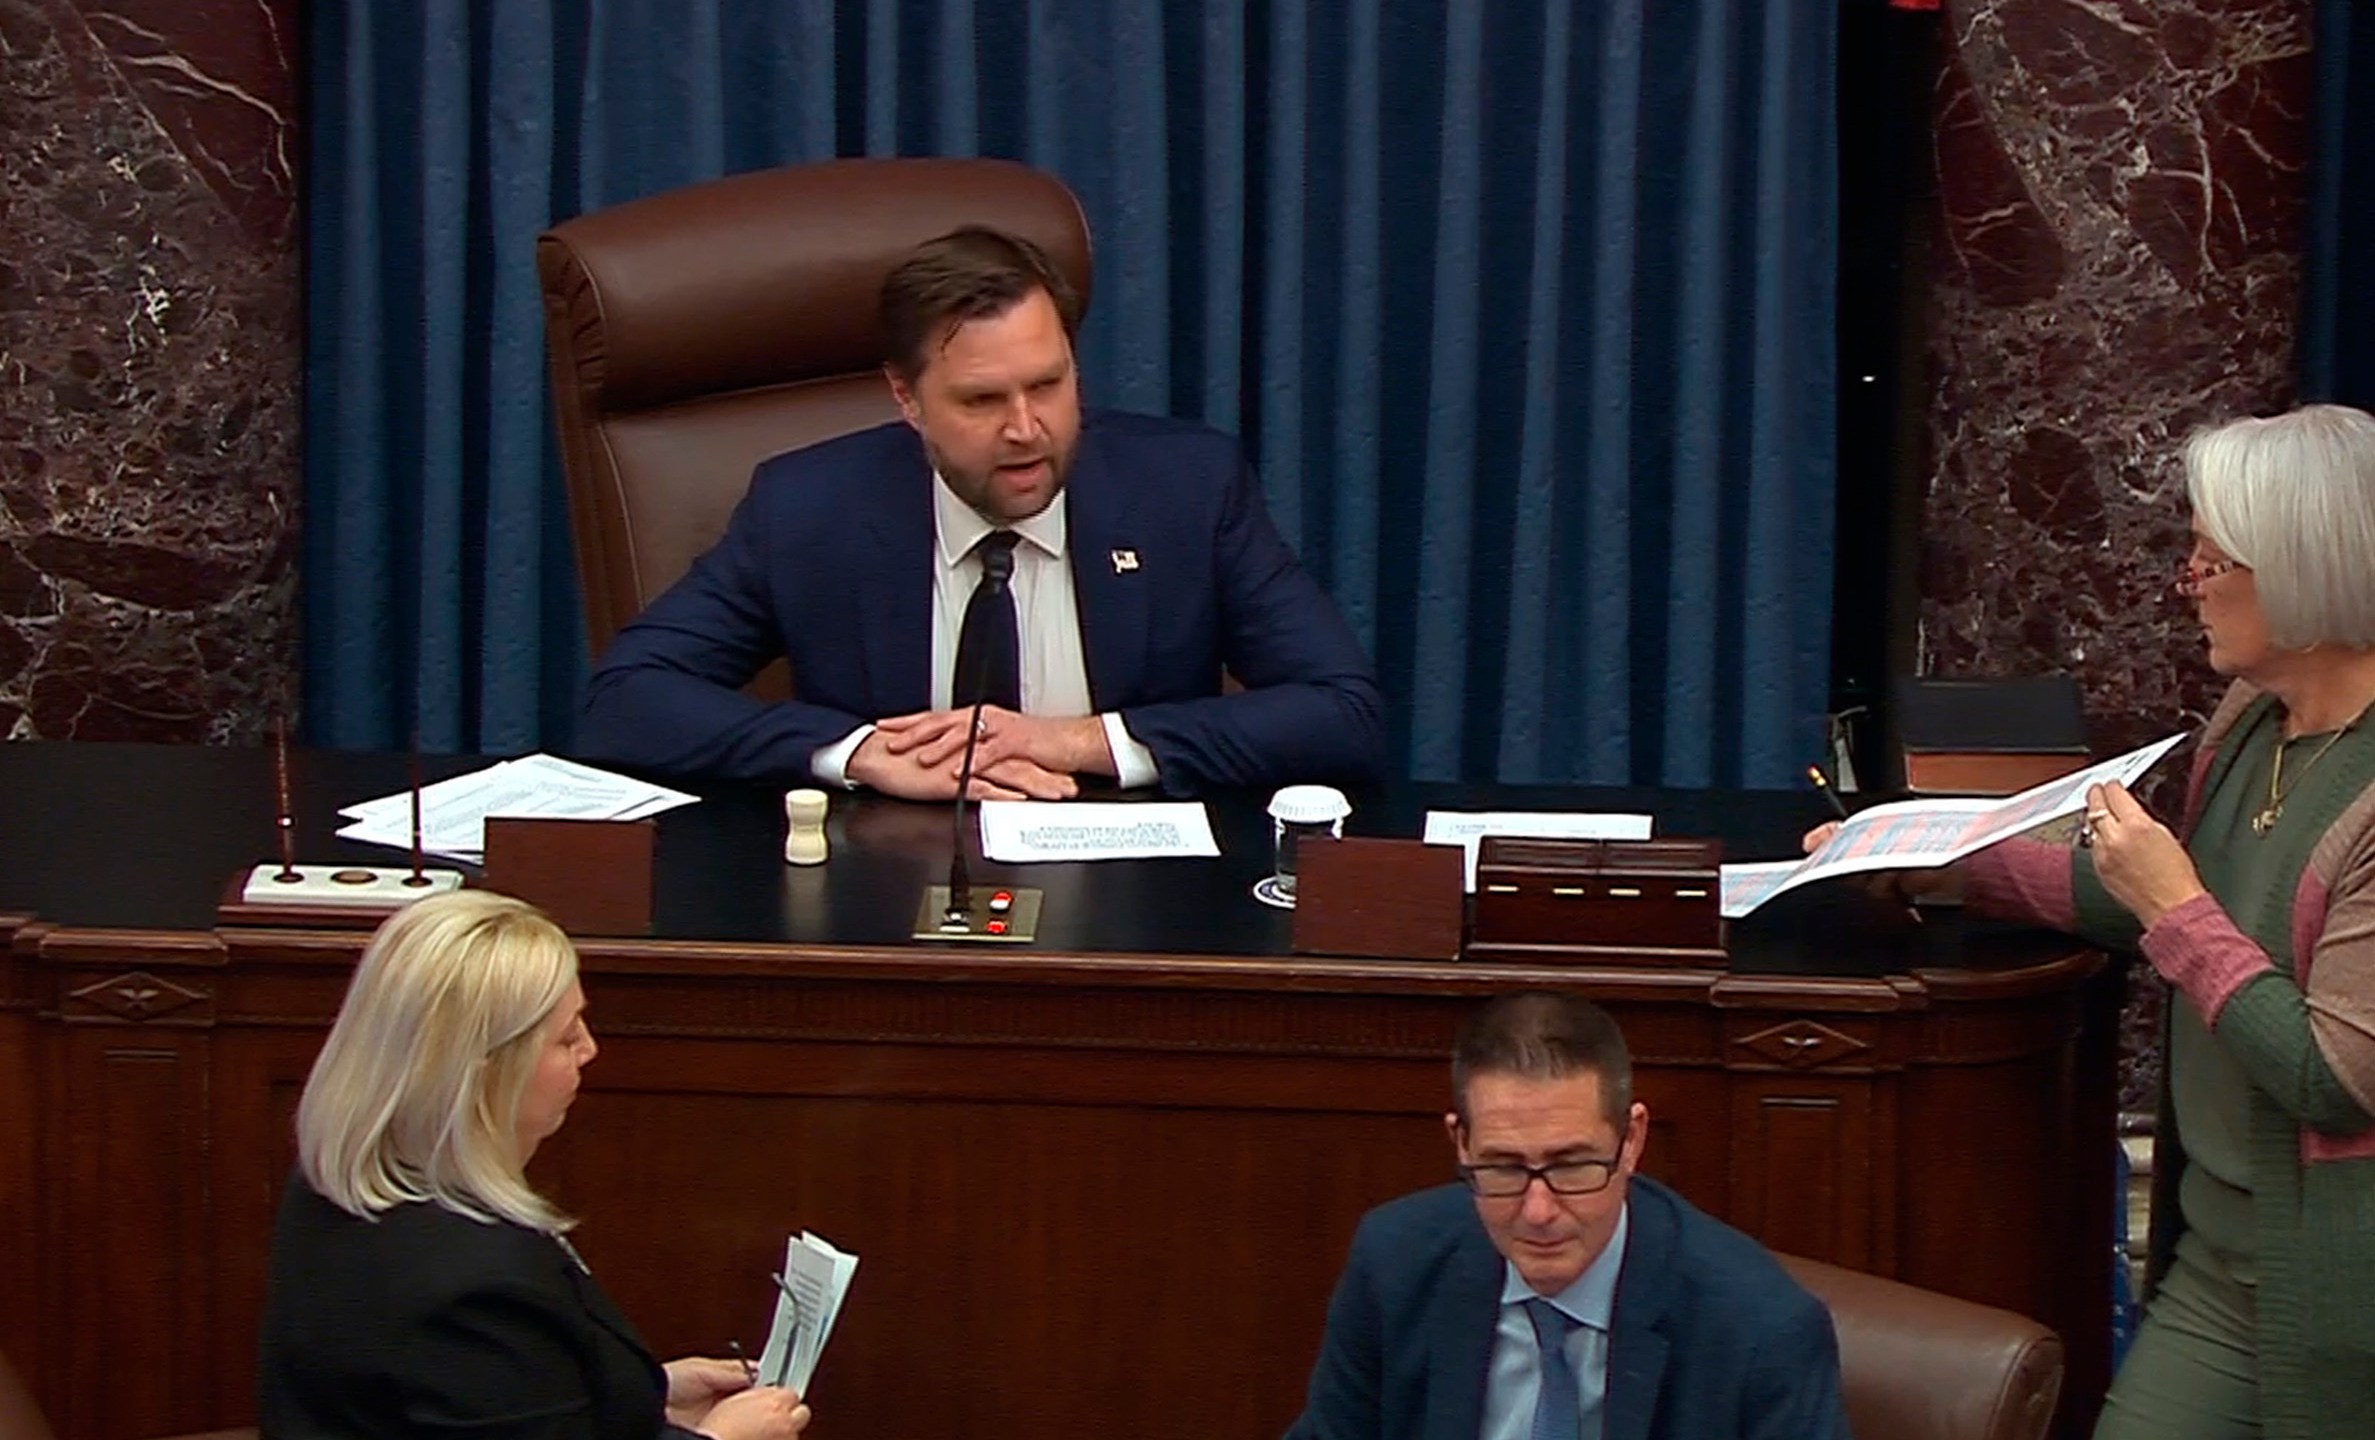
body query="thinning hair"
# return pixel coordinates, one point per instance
(1544, 1035)
(971, 273)
(416, 1093)
(2293, 497)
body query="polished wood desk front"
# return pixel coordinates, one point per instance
(1099, 1187)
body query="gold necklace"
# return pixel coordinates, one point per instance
(2273, 811)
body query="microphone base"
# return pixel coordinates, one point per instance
(1017, 924)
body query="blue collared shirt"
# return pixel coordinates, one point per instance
(1514, 1379)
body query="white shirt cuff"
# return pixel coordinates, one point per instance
(1133, 763)
(831, 762)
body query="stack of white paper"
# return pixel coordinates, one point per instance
(454, 812)
(807, 1301)
(1923, 834)
(1017, 832)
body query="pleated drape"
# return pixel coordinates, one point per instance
(2338, 289)
(1524, 310)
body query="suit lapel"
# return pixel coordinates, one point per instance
(895, 567)
(1637, 1321)
(1102, 526)
(1461, 1318)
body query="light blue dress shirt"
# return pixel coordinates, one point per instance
(1514, 1379)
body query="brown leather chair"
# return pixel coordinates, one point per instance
(1918, 1365)
(21, 1419)
(694, 333)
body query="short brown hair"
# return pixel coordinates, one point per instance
(1544, 1035)
(971, 273)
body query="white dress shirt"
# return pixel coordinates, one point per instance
(1055, 673)
(1514, 1380)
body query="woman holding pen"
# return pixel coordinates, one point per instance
(420, 1285)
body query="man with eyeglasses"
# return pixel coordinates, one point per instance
(1554, 1292)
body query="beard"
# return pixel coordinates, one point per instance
(999, 493)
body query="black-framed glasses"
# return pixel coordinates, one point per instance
(1504, 1180)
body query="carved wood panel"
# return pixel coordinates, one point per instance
(1802, 1167)
(129, 1269)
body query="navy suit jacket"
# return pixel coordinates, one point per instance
(828, 561)
(1709, 1338)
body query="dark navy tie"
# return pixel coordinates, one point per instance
(989, 643)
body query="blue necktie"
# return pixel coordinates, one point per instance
(1558, 1409)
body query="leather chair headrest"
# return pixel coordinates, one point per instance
(771, 278)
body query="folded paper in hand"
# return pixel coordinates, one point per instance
(807, 1301)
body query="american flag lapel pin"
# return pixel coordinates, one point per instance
(1125, 562)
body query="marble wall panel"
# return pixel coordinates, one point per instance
(149, 347)
(2116, 262)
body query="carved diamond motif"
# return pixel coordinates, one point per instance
(1802, 1044)
(138, 996)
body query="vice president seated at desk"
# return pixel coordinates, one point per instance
(1091, 576)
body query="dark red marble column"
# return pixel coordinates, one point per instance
(2117, 263)
(149, 350)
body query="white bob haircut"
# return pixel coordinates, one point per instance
(2293, 497)
(416, 1093)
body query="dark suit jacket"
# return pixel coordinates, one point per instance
(426, 1323)
(828, 560)
(1708, 1339)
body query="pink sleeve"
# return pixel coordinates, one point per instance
(2197, 947)
(2025, 880)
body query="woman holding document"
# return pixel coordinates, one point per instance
(2262, 920)
(419, 1285)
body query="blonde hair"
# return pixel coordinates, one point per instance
(2293, 497)
(416, 1093)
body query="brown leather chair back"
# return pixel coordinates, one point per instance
(694, 333)
(1918, 1365)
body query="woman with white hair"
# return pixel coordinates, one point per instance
(420, 1285)
(2259, 1319)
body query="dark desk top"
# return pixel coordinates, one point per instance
(144, 836)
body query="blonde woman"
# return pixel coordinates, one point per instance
(420, 1285)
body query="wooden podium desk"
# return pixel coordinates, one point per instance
(1099, 1186)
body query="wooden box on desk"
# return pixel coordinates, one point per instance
(1379, 899)
(593, 877)
(1651, 902)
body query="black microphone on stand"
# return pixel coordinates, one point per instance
(947, 912)
(958, 912)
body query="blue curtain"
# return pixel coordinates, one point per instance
(1524, 310)
(2338, 289)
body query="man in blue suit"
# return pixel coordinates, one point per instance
(1556, 1293)
(1094, 576)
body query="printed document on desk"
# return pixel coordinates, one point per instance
(808, 1295)
(1924, 834)
(454, 812)
(1466, 828)
(1017, 832)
